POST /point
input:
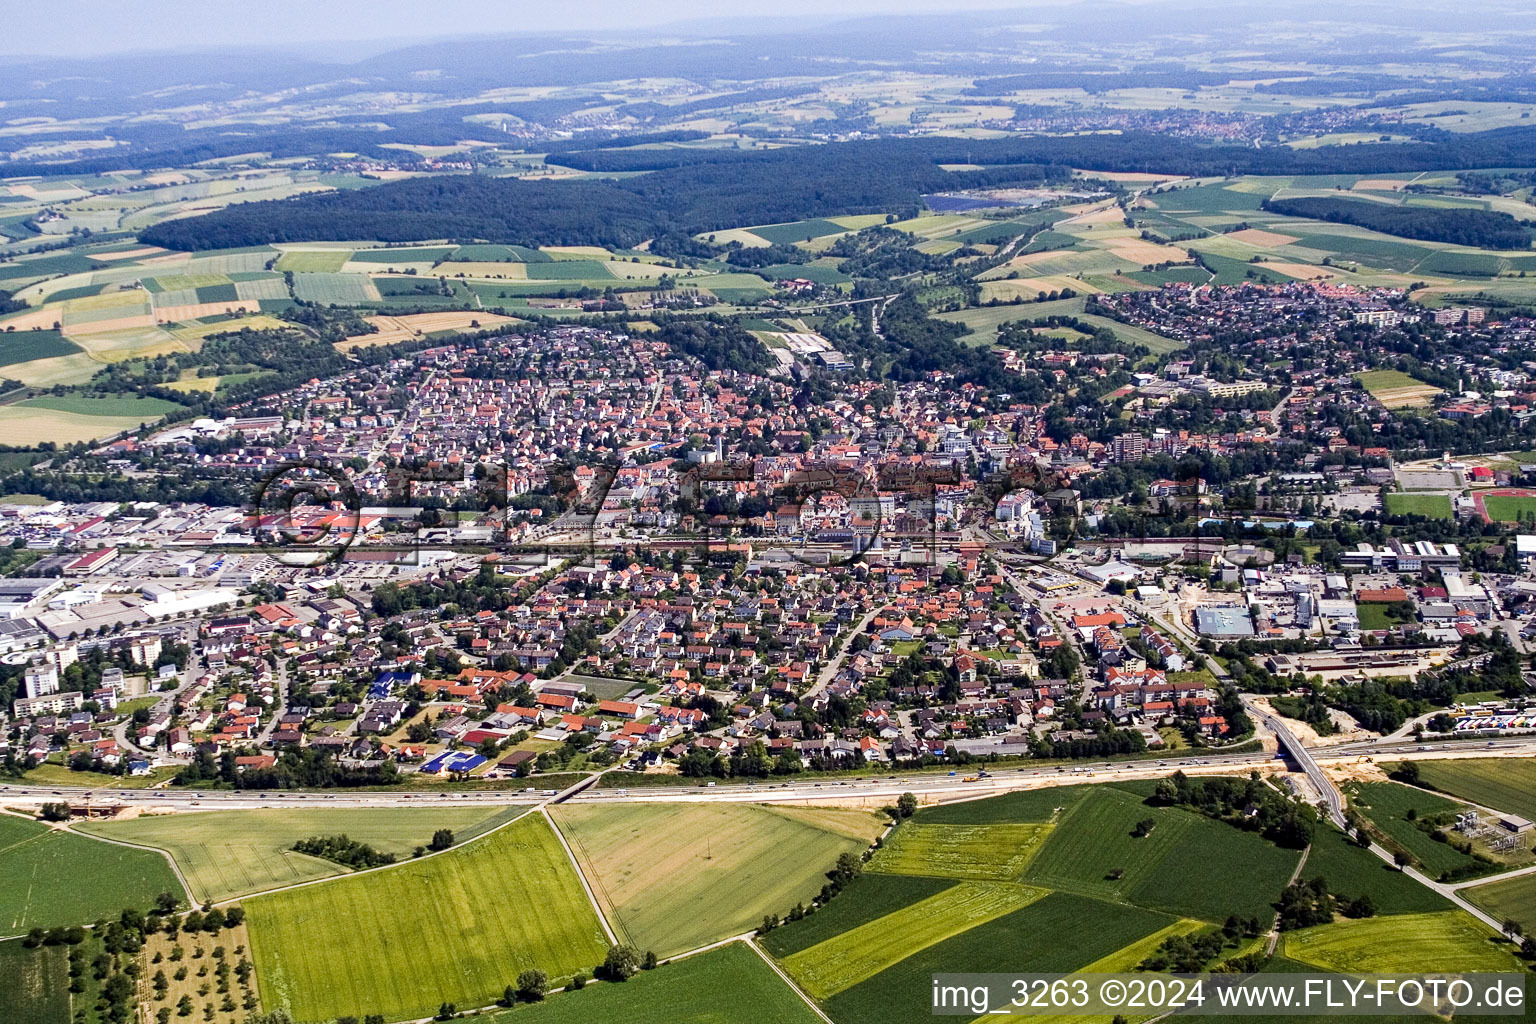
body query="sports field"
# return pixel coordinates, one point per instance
(1506, 506)
(224, 854)
(723, 986)
(49, 877)
(1504, 784)
(996, 852)
(1450, 941)
(842, 962)
(676, 876)
(456, 927)
(1433, 506)
(34, 984)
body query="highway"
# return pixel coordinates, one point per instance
(877, 785)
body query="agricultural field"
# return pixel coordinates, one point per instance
(676, 876)
(313, 261)
(865, 899)
(34, 984)
(51, 877)
(454, 927)
(719, 987)
(1499, 783)
(1449, 941)
(1510, 899)
(201, 955)
(1047, 936)
(1092, 851)
(1397, 390)
(224, 854)
(841, 962)
(1432, 506)
(25, 346)
(989, 852)
(1395, 809)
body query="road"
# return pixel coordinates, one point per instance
(832, 668)
(1301, 757)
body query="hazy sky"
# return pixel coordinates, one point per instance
(77, 28)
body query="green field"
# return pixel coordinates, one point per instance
(1092, 851)
(724, 986)
(314, 261)
(48, 877)
(25, 346)
(843, 961)
(676, 876)
(457, 927)
(34, 984)
(1513, 898)
(797, 231)
(1450, 941)
(1052, 935)
(1508, 508)
(119, 405)
(1388, 806)
(1432, 506)
(1500, 783)
(1377, 381)
(1354, 872)
(866, 898)
(1036, 805)
(224, 854)
(996, 852)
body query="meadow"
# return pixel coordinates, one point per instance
(722, 986)
(223, 854)
(49, 877)
(845, 960)
(1499, 783)
(676, 876)
(995, 852)
(1450, 941)
(455, 927)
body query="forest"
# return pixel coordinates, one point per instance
(1483, 229)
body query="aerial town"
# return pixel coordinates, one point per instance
(563, 525)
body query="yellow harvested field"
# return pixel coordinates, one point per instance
(129, 343)
(76, 368)
(1131, 176)
(1031, 287)
(581, 251)
(31, 426)
(1306, 271)
(28, 319)
(741, 235)
(1261, 239)
(1149, 252)
(394, 329)
(1103, 215)
(124, 323)
(196, 311)
(501, 271)
(126, 254)
(364, 267)
(259, 322)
